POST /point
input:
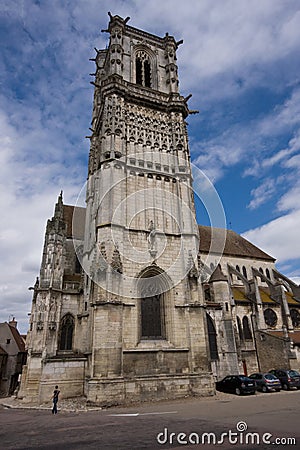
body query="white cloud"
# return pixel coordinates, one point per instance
(279, 238)
(262, 194)
(28, 193)
(290, 200)
(283, 118)
(282, 155)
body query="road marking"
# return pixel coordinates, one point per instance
(142, 414)
(163, 412)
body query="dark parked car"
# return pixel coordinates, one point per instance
(288, 378)
(236, 384)
(266, 382)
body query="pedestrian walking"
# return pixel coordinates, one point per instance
(56, 393)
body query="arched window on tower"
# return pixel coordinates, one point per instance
(151, 310)
(143, 69)
(212, 338)
(139, 71)
(247, 329)
(66, 332)
(244, 271)
(147, 73)
(152, 307)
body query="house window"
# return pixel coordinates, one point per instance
(212, 338)
(268, 273)
(244, 271)
(66, 332)
(143, 69)
(246, 329)
(270, 317)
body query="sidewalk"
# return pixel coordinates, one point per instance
(67, 405)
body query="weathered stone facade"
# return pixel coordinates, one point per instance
(126, 307)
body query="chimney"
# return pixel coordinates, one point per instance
(13, 323)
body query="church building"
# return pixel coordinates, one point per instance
(134, 300)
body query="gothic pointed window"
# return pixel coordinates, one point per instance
(152, 311)
(66, 332)
(143, 69)
(247, 329)
(240, 329)
(139, 71)
(147, 73)
(212, 338)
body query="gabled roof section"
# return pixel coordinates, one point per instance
(265, 296)
(18, 338)
(218, 275)
(2, 351)
(291, 300)
(239, 295)
(235, 245)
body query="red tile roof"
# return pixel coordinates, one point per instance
(229, 243)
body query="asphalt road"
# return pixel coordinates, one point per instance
(268, 416)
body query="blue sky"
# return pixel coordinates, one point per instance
(240, 60)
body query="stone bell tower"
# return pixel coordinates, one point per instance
(148, 336)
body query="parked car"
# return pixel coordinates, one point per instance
(288, 378)
(236, 384)
(266, 382)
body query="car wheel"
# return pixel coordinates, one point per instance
(298, 387)
(238, 391)
(285, 387)
(264, 389)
